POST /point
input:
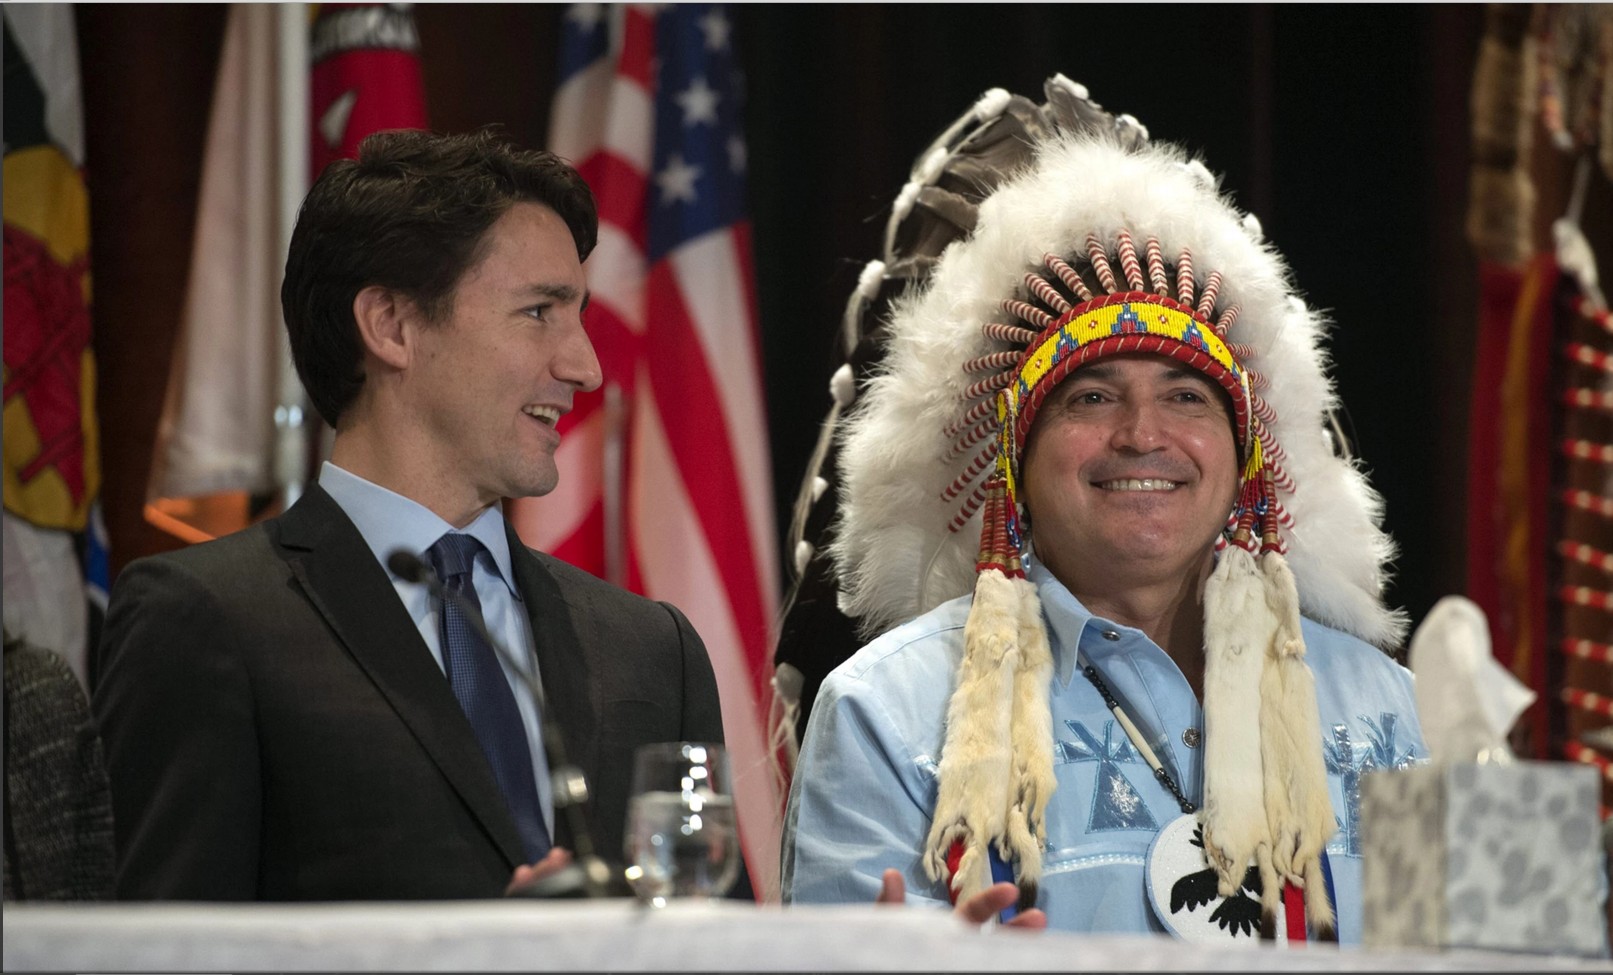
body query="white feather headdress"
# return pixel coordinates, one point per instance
(924, 455)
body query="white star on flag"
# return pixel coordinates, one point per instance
(699, 103)
(677, 180)
(715, 26)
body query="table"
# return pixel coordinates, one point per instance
(621, 936)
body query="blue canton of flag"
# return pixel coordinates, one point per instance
(699, 117)
(583, 38)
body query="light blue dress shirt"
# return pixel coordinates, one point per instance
(865, 784)
(389, 521)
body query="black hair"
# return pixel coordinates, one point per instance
(411, 214)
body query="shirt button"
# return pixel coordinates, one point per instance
(1190, 737)
(1111, 635)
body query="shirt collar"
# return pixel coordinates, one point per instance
(1068, 621)
(389, 521)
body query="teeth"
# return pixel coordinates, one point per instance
(1139, 484)
(548, 414)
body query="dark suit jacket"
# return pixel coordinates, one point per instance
(275, 728)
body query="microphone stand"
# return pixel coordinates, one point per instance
(586, 875)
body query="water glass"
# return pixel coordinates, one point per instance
(682, 840)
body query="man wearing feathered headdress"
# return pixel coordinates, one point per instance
(1135, 588)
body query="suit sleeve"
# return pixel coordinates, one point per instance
(702, 712)
(175, 707)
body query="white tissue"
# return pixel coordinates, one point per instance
(1466, 701)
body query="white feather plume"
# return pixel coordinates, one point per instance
(893, 552)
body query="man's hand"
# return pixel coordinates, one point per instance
(552, 863)
(978, 909)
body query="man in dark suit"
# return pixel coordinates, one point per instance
(284, 719)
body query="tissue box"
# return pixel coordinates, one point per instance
(1484, 856)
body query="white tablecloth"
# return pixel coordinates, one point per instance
(619, 935)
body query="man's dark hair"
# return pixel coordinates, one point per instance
(411, 215)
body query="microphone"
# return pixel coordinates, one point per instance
(587, 875)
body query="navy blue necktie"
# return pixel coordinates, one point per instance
(479, 683)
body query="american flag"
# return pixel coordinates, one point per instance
(665, 485)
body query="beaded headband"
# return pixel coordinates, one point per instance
(1071, 336)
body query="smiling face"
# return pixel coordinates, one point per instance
(489, 381)
(1129, 473)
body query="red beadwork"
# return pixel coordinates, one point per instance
(1064, 272)
(1184, 278)
(1028, 312)
(1015, 334)
(1227, 320)
(1047, 294)
(984, 458)
(1100, 264)
(988, 386)
(1128, 263)
(980, 409)
(1212, 289)
(981, 431)
(992, 362)
(1156, 267)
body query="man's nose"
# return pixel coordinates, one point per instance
(577, 363)
(1139, 426)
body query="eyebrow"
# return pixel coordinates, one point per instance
(557, 292)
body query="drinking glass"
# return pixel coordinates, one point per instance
(681, 841)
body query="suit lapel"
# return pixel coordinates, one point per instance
(562, 667)
(339, 573)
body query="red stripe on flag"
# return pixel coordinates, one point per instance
(638, 48)
(687, 398)
(620, 193)
(585, 547)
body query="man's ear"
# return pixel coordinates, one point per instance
(382, 316)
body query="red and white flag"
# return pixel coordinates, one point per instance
(364, 77)
(666, 483)
(225, 424)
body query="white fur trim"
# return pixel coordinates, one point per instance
(974, 772)
(1298, 811)
(1032, 781)
(1237, 629)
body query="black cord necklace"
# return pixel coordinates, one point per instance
(1137, 740)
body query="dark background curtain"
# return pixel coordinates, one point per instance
(1343, 128)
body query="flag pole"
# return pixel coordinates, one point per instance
(290, 412)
